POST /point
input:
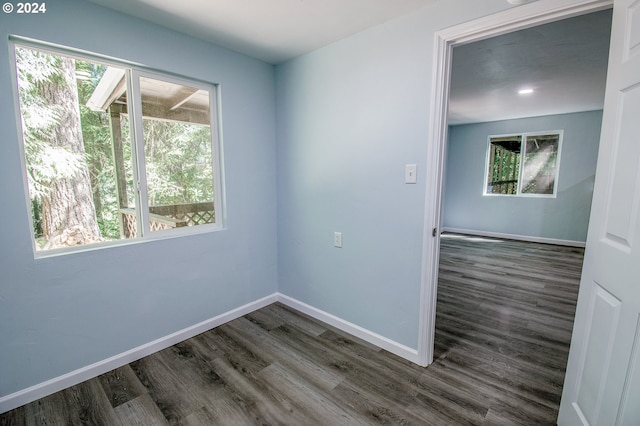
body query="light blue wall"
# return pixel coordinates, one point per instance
(565, 217)
(349, 117)
(60, 314)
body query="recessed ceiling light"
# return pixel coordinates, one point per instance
(525, 91)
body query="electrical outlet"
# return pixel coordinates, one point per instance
(337, 239)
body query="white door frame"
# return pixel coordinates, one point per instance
(513, 19)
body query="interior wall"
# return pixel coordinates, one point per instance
(63, 313)
(349, 117)
(565, 217)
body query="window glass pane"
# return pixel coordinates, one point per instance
(504, 165)
(178, 154)
(77, 185)
(540, 163)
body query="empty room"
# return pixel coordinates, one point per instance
(237, 212)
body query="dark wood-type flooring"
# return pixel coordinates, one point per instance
(504, 320)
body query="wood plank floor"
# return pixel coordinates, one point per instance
(504, 319)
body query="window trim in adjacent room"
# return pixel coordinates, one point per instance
(133, 74)
(519, 163)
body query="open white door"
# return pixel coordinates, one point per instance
(602, 385)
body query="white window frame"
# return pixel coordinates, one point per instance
(524, 136)
(133, 73)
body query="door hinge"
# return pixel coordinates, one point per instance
(433, 233)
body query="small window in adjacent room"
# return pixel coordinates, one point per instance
(523, 164)
(114, 152)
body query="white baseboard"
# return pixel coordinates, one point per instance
(25, 396)
(353, 329)
(570, 243)
(17, 399)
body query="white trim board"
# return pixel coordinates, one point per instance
(30, 394)
(554, 241)
(353, 329)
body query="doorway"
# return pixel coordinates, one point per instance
(512, 20)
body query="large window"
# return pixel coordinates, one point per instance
(114, 152)
(523, 164)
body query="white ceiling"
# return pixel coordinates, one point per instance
(565, 62)
(270, 30)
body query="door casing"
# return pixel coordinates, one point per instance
(514, 19)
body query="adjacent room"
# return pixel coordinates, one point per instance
(509, 272)
(514, 91)
(225, 213)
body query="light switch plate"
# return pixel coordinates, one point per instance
(410, 174)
